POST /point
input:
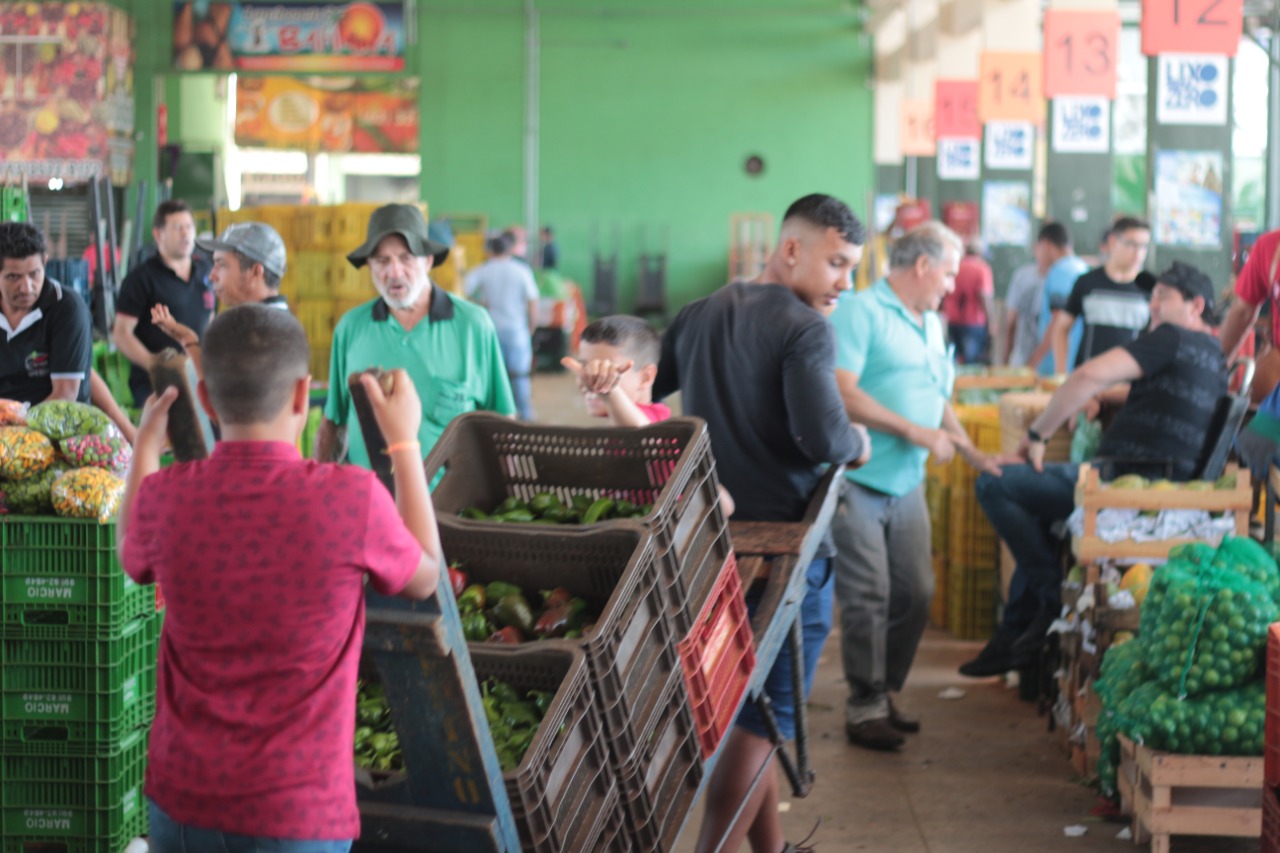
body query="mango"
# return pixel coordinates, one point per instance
(1137, 580)
(1128, 481)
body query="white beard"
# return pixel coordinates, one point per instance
(416, 289)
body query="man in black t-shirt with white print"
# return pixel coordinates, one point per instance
(1110, 299)
(1177, 375)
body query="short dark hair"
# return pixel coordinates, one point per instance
(167, 209)
(1128, 223)
(270, 279)
(253, 355)
(1056, 234)
(828, 212)
(21, 240)
(548, 230)
(500, 244)
(634, 336)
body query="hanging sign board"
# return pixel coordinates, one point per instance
(1009, 87)
(1192, 26)
(1080, 50)
(1191, 89)
(955, 110)
(959, 159)
(1010, 145)
(1081, 125)
(918, 139)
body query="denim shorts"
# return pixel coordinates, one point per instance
(815, 622)
(169, 836)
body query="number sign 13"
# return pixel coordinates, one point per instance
(1080, 53)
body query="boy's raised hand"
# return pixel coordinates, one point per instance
(161, 317)
(599, 376)
(399, 413)
(153, 429)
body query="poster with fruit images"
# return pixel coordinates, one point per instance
(367, 114)
(296, 37)
(66, 91)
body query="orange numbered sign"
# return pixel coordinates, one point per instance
(1192, 26)
(917, 129)
(955, 111)
(1080, 53)
(1009, 87)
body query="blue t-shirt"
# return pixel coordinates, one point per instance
(1057, 289)
(904, 365)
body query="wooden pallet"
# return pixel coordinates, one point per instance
(1188, 794)
(1091, 495)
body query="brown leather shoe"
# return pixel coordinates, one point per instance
(877, 734)
(901, 722)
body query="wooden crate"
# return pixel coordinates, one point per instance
(1091, 495)
(1188, 794)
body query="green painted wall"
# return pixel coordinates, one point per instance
(648, 111)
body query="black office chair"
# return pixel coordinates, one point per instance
(1226, 423)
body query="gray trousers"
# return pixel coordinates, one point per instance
(884, 586)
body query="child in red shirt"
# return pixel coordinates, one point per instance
(263, 557)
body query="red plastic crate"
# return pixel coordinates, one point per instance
(718, 658)
(1270, 820)
(1271, 755)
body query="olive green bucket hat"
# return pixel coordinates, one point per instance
(407, 221)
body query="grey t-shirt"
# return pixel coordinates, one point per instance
(1024, 298)
(506, 287)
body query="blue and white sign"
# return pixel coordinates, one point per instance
(958, 159)
(1081, 125)
(1010, 145)
(1192, 89)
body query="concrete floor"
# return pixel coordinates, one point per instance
(983, 776)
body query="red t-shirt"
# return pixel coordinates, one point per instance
(655, 411)
(966, 305)
(262, 557)
(1253, 286)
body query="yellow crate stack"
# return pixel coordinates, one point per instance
(972, 544)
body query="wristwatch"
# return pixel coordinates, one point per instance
(1036, 437)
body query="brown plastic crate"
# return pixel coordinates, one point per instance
(482, 459)
(660, 779)
(561, 792)
(631, 651)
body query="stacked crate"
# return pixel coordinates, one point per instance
(78, 646)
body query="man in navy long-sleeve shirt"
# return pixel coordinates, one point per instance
(756, 360)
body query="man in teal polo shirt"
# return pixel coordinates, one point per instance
(895, 374)
(448, 346)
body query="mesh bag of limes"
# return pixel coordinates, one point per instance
(1191, 681)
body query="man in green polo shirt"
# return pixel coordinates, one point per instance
(447, 346)
(895, 374)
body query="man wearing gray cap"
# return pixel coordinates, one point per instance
(248, 263)
(447, 345)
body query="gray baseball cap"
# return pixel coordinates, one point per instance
(257, 241)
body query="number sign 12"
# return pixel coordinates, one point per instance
(1192, 26)
(1080, 53)
(1009, 87)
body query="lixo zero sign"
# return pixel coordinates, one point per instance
(1192, 89)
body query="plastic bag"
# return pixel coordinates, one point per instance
(88, 493)
(61, 419)
(34, 495)
(13, 413)
(96, 451)
(23, 453)
(1220, 722)
(1085, 440)
(1124, 670)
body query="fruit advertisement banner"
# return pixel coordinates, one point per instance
(66, 91)
(371, 115)
(297, 37)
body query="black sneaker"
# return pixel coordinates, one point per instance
(875, 734)
(901, 722)
(996, 658)
(1031, 642)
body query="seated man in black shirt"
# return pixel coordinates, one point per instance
(47, 347)
(1178, 376)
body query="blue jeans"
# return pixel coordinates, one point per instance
(815, 622)
(970, 342)
(1022, 506)
(517, 354)
(168, 836)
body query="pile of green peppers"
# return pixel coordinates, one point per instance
(513, 719)
(547, 508)
(377, 745)
(500, 612)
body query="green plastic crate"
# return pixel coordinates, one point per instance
(48, 545)
(134, 826)
(82, 667)
(96, 797)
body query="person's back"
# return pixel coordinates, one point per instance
(730, 373)
(966, 306)
(1023, 299)
(1169, 409)
(1058, 282)
(262, 558)
(505, 286)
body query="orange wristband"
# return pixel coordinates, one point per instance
(403, 445)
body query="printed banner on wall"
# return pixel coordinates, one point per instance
(302, 38)
(1191, 89)
(1189, 198)
(1006, 213)
(1081, 125)
(958, 159)
(1010, 145)
(369, 115)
